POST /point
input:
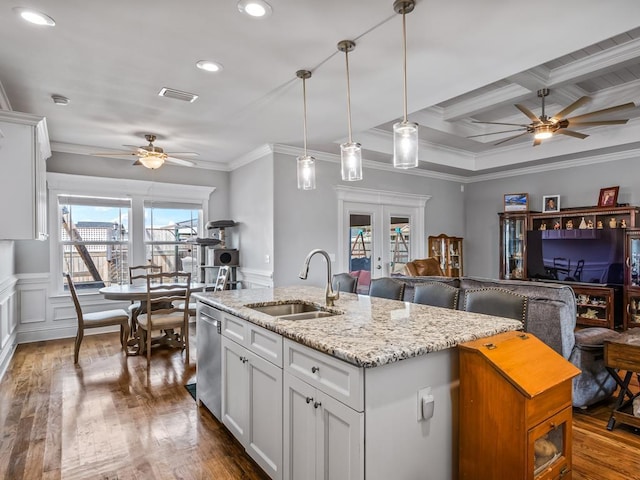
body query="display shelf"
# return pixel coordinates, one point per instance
(595, 306)
(513, 227)
(448, 251)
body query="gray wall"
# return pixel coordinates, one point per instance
(251, 199)
(32, 256)
(578, 186)
(305, 220)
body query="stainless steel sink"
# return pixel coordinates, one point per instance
(298, 310)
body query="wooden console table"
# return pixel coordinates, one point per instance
(623, 353)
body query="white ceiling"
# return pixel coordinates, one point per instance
(467, 60)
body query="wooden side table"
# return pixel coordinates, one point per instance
(623, 353)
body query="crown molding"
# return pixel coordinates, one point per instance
(252, 156)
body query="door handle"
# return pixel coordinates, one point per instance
(379, 267)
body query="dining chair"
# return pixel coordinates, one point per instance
(436, 294)
(497, 301)
(138, 274)
(386, 288)
(96, 319)
(164, 292)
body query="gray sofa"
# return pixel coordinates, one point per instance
(552, 318)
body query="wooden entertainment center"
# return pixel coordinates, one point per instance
(611, 302)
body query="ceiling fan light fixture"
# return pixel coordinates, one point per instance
(35, 17)
(542, 132)
(405, 133)
(255, 8)
(152, 162)
(306, 164)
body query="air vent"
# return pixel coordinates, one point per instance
(177, 94)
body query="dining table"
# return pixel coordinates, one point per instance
(138, 293)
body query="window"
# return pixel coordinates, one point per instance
(94, 238)
(103, 225)
(170, 230)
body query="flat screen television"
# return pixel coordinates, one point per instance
(581, 255)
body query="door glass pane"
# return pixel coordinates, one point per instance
(634, 260)
(399, 242)
(360, 248)
(514, 249)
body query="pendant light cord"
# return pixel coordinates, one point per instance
(404, 62)
(304, 121)
(346, 56)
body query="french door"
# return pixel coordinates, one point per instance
(379, 235)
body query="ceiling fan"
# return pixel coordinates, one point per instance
(151, 156)
(543, 127)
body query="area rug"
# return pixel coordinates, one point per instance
(191, 388)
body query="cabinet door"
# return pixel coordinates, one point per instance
(339, 440)
(513, 246)
(265, 415)
(299, 429)
(235, 389)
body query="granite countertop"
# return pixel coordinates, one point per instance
(370, 331)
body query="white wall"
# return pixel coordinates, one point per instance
(305, 220)
(251, 205)
(578, 186)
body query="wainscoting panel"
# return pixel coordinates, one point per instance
(8, 322)
(256, 278)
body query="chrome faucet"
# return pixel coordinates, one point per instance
(330, 295)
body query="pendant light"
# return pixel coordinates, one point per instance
(350, 152)
(306, 163)
(405, 133)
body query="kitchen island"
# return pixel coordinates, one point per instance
(370, 392)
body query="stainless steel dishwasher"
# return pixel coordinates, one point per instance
(209, 358)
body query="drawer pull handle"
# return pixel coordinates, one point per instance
(315, 369)
(317, 404)
(309, 399)
(244, 359)
(553, 425)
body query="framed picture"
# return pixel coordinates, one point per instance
(608, 197)
(516, 202)
(550, 203)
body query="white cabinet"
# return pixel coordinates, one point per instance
(323, 438)
(252, 391)
(24, 148)
(323, 416)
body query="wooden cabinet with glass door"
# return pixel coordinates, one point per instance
(632, 279)
(513, 243)
(448, 251)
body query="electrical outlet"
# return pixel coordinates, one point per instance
(267, 258)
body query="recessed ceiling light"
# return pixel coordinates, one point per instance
(255, 8)
(209, 66)
(35, 17)
(60, 100)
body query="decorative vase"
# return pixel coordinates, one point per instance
(613, 223)
(583, 224)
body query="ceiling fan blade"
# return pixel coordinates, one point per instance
(570, 108)
(511, 138)
(495, 133)
(624, 106)
(179, 161)
(137, 162)
(571, 133)
(184, 154)
(528, 113)
(501, 123)
(597, 123)
(113, 154)
(536, 142)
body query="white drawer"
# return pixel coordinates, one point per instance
(337, 378)
(235, 329)
(265, 343)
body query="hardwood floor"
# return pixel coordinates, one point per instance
(110, 419)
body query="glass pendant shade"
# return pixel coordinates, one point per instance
(152, 161)
(405, 145)
(306, 172)
(351, 156)
(543, 132)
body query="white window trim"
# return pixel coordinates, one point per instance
(137, 190)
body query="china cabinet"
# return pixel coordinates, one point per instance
(518, 389)
(513, 242)
(595, 306)
(448, 251)
(24, 148)
(632, 279)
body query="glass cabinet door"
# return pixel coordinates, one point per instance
(633, 259)
(512, 246)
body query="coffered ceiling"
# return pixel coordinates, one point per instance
(468, 61)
